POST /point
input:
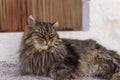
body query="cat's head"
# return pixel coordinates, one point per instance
(43, 34)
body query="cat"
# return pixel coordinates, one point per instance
(44, 53)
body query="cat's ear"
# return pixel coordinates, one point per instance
(56, 24)
(31, 20)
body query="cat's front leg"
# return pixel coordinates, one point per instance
(61, 71)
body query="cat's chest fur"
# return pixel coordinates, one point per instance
(41, 61)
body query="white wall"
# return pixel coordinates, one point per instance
(104, 16)
(105, 21)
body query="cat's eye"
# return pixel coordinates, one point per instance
(41, 35)
(52, 35)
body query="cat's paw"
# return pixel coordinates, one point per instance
(62, 72)
(116, 76)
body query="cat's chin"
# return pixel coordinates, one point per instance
(44, 49)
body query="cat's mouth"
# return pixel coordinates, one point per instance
(42, 47)
(39, 47)
(45, 48)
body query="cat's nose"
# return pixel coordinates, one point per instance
(47, 39)
(47, 43)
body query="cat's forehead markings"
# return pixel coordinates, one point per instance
(45, 28)
(42, 30)
(50, 29)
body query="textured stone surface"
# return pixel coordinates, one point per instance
(9, 70)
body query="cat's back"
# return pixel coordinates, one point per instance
(79, 43)
(81, 46)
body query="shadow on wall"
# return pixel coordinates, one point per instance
(85, 15)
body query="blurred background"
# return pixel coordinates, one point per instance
(78, 19)
(14, 13)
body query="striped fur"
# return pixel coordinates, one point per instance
(43, 53)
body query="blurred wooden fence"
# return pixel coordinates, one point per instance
(14, 13)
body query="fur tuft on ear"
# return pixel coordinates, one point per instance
(56, 24)
(31, 20)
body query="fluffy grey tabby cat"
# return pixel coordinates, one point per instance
(44, 53)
